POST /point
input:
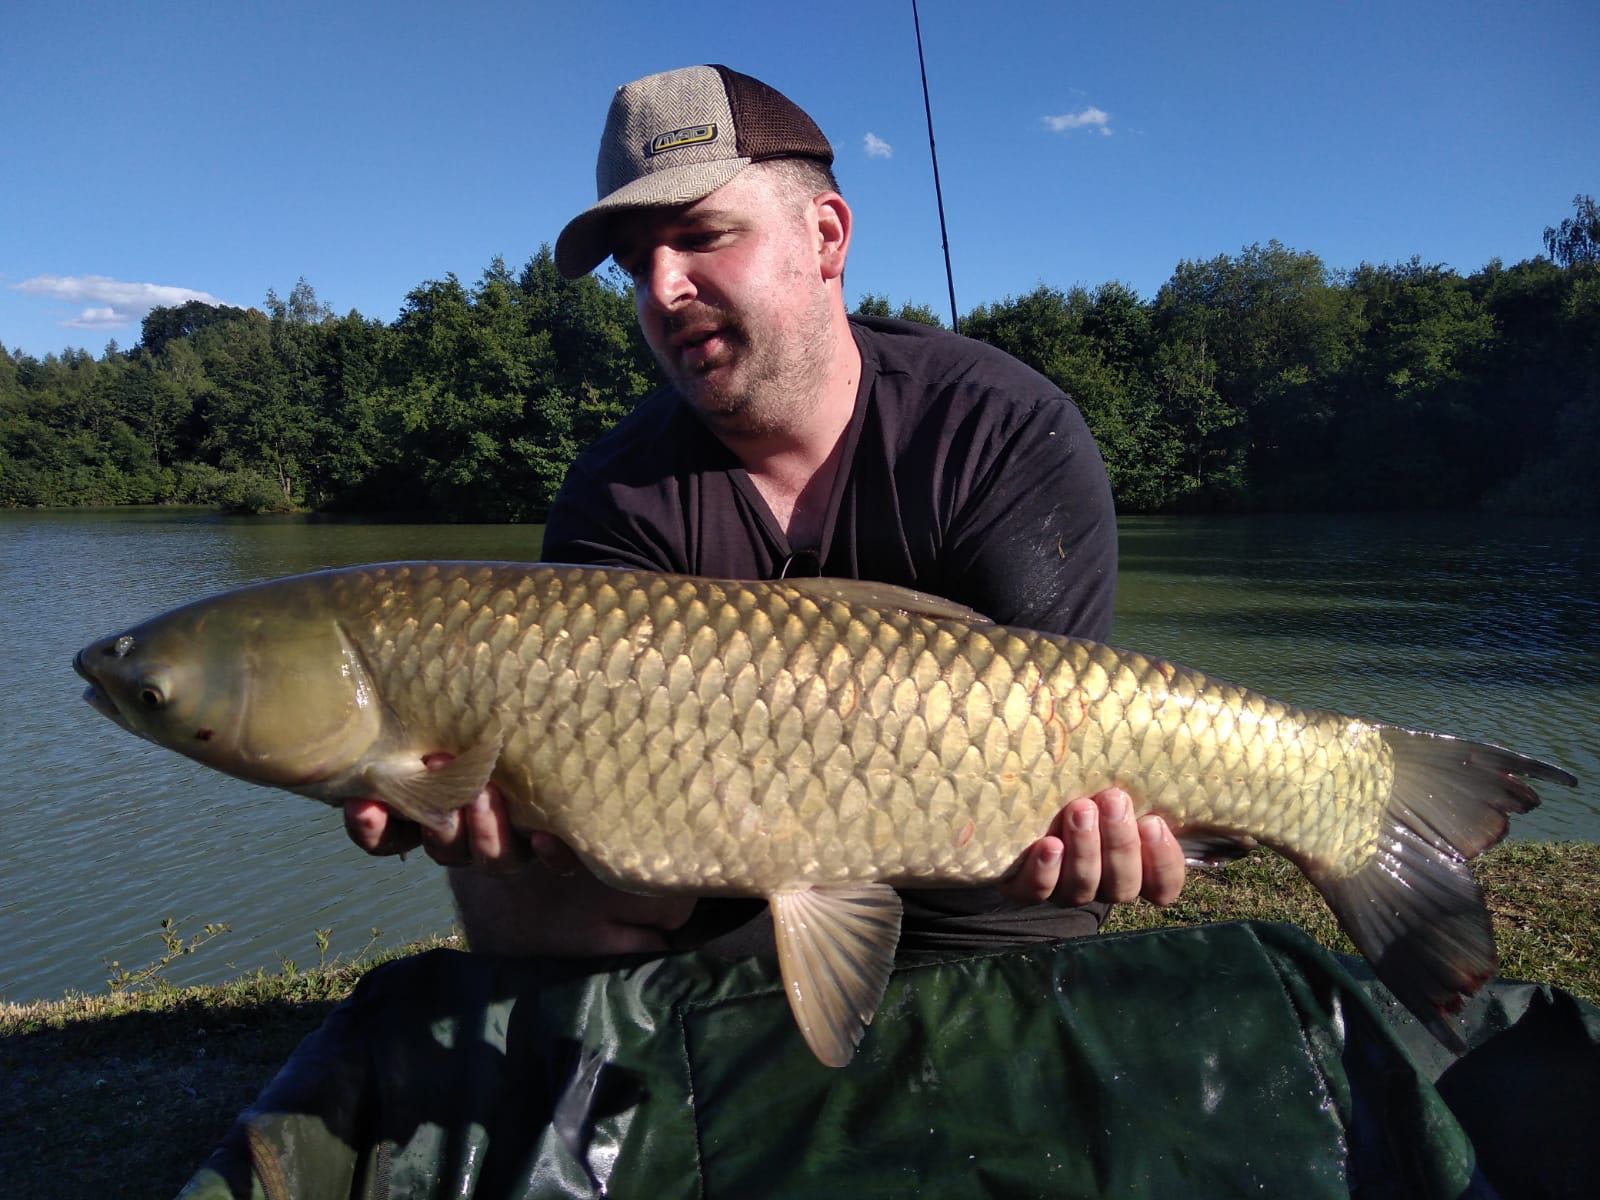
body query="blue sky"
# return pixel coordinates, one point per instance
(224, 149)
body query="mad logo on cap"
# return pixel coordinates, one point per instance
(694, 135)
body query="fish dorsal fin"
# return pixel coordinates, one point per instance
(871, 594)
(836, 949)
(428, 796)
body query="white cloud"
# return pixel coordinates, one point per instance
(1089, 118)
(876, 147)
(109, 303)
(96, 318)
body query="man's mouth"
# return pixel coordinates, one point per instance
(696, 347)
(688, 339)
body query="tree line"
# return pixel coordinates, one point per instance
(1260, 380)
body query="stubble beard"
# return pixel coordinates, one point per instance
(762, 383)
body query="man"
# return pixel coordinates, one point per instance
(793, 439)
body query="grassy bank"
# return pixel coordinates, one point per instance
(126, 1094)
(1545, 898)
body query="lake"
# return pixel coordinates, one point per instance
(1475, 625)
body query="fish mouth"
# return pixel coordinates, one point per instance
(96, 696)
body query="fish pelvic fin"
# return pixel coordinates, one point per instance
(428, 796)
(1208, 849)
(1414, 909)
(836, 949)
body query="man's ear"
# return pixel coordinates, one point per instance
(833, 232)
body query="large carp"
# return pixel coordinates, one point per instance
(818, 743)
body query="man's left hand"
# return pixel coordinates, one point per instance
(1096, 850)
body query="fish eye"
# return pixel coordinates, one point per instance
(152, 696)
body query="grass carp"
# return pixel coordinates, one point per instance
(817, 743)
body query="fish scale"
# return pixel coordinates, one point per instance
(813, 742)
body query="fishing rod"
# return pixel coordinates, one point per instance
(938, 193)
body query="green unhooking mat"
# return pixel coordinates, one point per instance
(1222, 1060)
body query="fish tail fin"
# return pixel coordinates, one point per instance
(1414, 909)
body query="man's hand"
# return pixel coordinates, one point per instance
(1095, 850)
(478, 835)
(520, 896)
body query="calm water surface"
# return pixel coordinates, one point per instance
(1469, 625)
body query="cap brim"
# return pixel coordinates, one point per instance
(585, 242)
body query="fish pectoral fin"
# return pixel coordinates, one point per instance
(428, 795)
(836, 950)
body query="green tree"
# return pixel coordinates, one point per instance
(1541, 388)
(1094, 346)
(1410, 430)
(490, 392)
(166, 324)
(1205, 471)
(1576, 240)
(258, 424)
(872, 304)
(153, 402)
(9, 387)
(1281, 332)
(354, 454)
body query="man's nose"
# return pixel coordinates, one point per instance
(668, 284)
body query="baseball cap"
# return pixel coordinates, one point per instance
(676, 137)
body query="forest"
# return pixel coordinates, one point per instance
(1262, 380)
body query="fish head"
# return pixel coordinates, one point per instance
(270, 692)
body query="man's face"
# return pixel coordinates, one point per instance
(731, 301)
